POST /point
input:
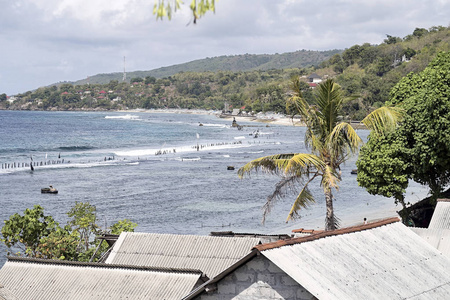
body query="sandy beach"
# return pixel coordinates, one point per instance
(269, 118)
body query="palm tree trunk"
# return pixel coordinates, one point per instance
(330, 221)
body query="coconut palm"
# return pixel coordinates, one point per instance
(331, 142)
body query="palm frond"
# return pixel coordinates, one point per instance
(334, 223)
(330, 178)
(343, 135)
(273, 164)
(383, 119)
(282, 188)
(301, 163)
(303, 200)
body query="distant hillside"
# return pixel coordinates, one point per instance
(252, 83)
(235, 63)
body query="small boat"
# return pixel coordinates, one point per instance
(49, 190)
(230, 168)
(354, 172)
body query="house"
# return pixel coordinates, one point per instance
(210, 254)
(5, 294)
(27, 278)
(379, 260)
(438, 232)
(314, 78)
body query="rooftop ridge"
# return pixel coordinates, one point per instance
(324, 234)
(187, 235)
(443, 200)
(99, 265)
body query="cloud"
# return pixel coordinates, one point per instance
(46, 41)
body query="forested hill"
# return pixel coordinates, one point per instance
(235, 63)
(368, 71)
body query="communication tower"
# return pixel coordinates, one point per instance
(124, 72)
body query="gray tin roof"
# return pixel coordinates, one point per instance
(441, 215)
(385, 262)
(47, 279)
(5, 294)
(379, 260)
(438, 238)
(209, 254)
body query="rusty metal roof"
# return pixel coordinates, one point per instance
(48, 279)
(207, 253)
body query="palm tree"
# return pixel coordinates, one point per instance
(331, 141)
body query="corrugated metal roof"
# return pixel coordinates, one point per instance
(206, 253)
(5, 294)
(441, 215)
(438, 238)
(46, 279)
(385, 262)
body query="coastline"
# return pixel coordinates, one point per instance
(271, 118)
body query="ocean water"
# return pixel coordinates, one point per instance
(162, 171)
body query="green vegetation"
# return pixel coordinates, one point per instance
(165, 8)
(331, 142)
(38, 235)
(419, 149)
(258, 82)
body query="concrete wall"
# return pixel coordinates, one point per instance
(257, 279)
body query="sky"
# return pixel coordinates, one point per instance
(48, 41)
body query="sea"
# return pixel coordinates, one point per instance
(167, 172)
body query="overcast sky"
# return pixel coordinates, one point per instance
(47, 41)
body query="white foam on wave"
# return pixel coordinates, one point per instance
(125, 117)
(187, 158)
(216, 125)
(176, 150)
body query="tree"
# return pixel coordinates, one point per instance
(420, 148)
(122, 226)
(392, 39)
(24, 232)
(166, 8)
(59, 244)
(84, 222)
(331, 142)
(40, 236)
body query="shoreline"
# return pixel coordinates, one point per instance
(275, 119)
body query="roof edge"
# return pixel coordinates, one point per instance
(221, 275)
(443, 200)
(324, 234)
(98, 265)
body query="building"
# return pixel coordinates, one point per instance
(210, 254)
(380, 260)
(314, 78)
(438, 232)
(27, 278)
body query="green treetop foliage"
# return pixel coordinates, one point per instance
(84, 222)
(38, 235)
(24, 232)
(123, 226)
(165, 8)
(420, 148)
